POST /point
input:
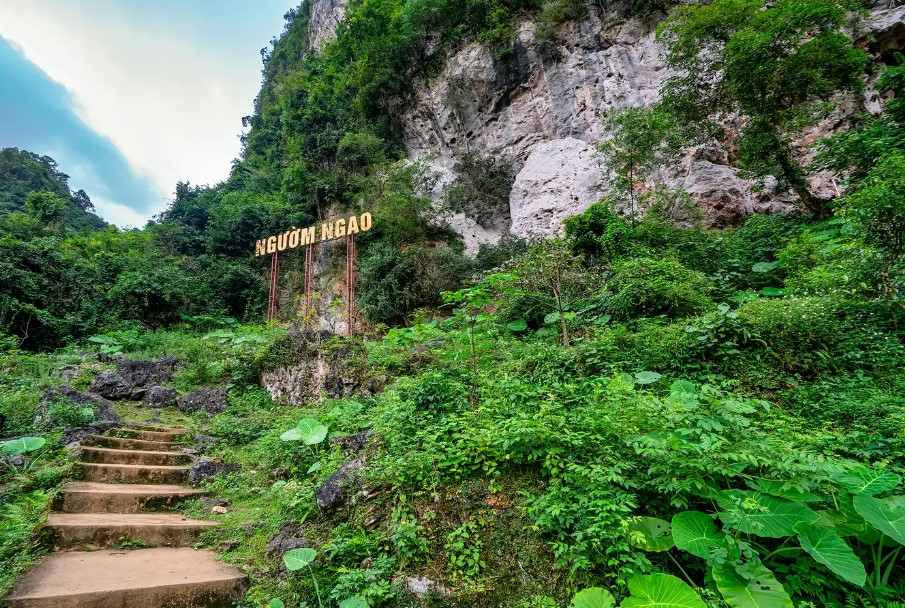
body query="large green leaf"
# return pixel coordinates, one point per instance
(651, 534)
(761, 591)
(661, 591)
(292, 434)
(595, 597)
(353, 602)
(782, 490)
(755, 513)
(312, 431)
(868, 482)
(22, 445)
(696, 533)
(298, 558)
(885, 514)
(829, 549)
(647, 377)
(276, 603)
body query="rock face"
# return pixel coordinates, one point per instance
(133, 379)
(315, 369)
(538, 108)
(325, 16)
(210, 400)
(560, 178)
(111, 385)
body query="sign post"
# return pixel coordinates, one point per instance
(310, 238)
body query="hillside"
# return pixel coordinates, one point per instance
(630, 330)
(22, 172)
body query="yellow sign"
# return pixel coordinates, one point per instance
(299, 237)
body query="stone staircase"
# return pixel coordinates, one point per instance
(128, 475)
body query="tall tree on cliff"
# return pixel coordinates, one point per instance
(776, 64)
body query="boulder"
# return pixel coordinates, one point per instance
(352, 444)
(291, 535)
(103, 408)
(206, 468)
(145, 374)
(210, 400)
(333, 492)
(72, 437)
(111, 385)
(161, 396)
(720, 193)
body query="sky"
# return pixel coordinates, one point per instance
(131, 96)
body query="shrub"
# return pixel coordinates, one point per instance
(643, 287)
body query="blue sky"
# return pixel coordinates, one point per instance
(130, 97)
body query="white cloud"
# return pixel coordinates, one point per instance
(172, 109)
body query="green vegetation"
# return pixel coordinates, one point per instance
(634, 414)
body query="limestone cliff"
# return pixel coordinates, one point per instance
(538, 108)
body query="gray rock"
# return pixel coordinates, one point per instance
(325, 15)
(421, 586)
(111, 385)
(210, 400)
(205, 442)
(206, 468)
(720, 193)
(161, 396)
(17, 460)
(291, 535)
(144, 374)
(105, 416)
(333, 492)
(352, 444)
(213, 501)
(560, 178)
(77, 435)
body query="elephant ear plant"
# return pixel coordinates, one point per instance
(311, 433)
(21, 447)
(297, 559)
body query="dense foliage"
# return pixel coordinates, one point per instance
(647, 414)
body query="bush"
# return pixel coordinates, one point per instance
(643, 287)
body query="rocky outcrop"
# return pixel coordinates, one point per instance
(210, 400)
(132, 378)
(205, 469)
(161, 396)
(538, 108)
(324, 17)
(560, 178)
(311, 369)
(111, 385)
(333, 493)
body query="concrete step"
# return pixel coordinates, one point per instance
(122, 443)
(107, 530)
(115, 456)
(87, 497)
(145, 426)
(145, 578)
(148, 435)
(134, 473)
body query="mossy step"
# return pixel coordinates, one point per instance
(116, 456)
(166, 436)
(88, 497)
(144, 578)
(134, 473)
(108, 530)
(123, 443)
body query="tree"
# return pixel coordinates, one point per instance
(46, 207)
(640, 139)
(772, 63)
(551, 275)
(877, 211)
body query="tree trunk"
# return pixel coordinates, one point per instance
(795, 176)
(562, 318)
